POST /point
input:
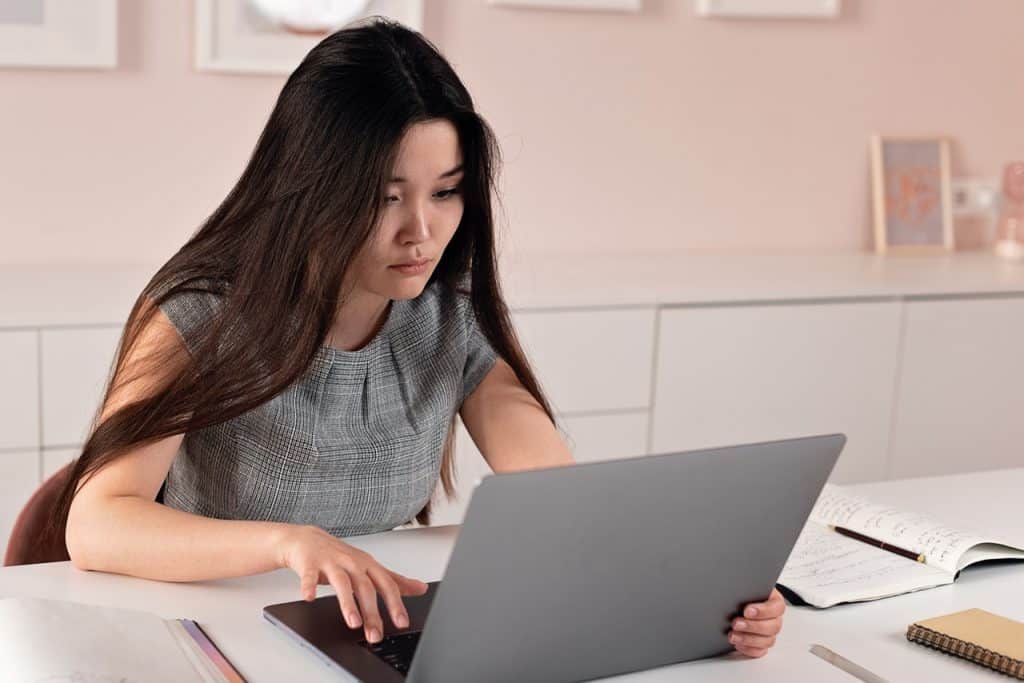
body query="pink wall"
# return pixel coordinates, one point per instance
(621, 132)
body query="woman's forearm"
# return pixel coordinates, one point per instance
(139, 537)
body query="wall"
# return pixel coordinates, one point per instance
(620, 132)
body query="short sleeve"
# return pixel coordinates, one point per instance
(190, 312)
(480, 356)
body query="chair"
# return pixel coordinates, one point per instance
(25, 545)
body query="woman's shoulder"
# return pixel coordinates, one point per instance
(189, 305)
(440, 303)
(455, 334)
(188, 290)
(440, 318)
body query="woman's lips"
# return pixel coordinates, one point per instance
(414, 268)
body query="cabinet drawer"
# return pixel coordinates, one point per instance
(19, 477)
(590, 360)
(742, 374)
(75, 364)
(960, 388)
(19, 390)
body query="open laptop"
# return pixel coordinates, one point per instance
(591, 570)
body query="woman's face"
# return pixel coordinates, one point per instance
(422, 208)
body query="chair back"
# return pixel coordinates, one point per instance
(25, 545)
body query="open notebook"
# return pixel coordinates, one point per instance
(56, 640)
(826, 568)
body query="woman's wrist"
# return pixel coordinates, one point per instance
(279, 537)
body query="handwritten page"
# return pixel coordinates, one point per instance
(826, 568)
(941, 545)
(54, 640)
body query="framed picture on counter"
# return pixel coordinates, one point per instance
(911, 191)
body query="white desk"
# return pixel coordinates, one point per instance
(870, 634)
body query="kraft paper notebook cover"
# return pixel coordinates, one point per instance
(974, 634)
(57, 640)
(826, 568)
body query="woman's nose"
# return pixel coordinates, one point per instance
(417, 227)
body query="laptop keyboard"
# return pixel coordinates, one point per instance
(396, 650)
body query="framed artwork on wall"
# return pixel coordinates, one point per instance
(607, 5)
(769, 9)
(911, 192)
(272, 36)
(69, 34)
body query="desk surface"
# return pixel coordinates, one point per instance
(870, 634)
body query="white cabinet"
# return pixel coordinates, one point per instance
(589, 360)
(75, 365)
(960, 404)
(19, 389)
(911, 359)
(19, 478)
(736, 374)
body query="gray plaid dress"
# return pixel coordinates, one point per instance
(354, 446)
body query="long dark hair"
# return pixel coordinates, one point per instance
(277, 248)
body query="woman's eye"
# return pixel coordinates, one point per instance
(443, 194)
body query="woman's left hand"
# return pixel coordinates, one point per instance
(754, 632)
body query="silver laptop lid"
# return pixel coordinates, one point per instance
(603, 568)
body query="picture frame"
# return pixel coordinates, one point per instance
(578, 5)
(231, 37)
(68, 34)
(911, 191)
(769, 9)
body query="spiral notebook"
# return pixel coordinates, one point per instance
(58, 640)
(976, 635)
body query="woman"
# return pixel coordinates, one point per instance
(291, 376)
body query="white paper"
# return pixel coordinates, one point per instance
(59, 641)
(826, 568)
(941, 545)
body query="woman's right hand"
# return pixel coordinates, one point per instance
(320, 558)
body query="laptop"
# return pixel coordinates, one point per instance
(592, 569)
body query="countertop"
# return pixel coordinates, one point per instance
(54, 295)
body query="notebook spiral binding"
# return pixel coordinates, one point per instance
(967, 650)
